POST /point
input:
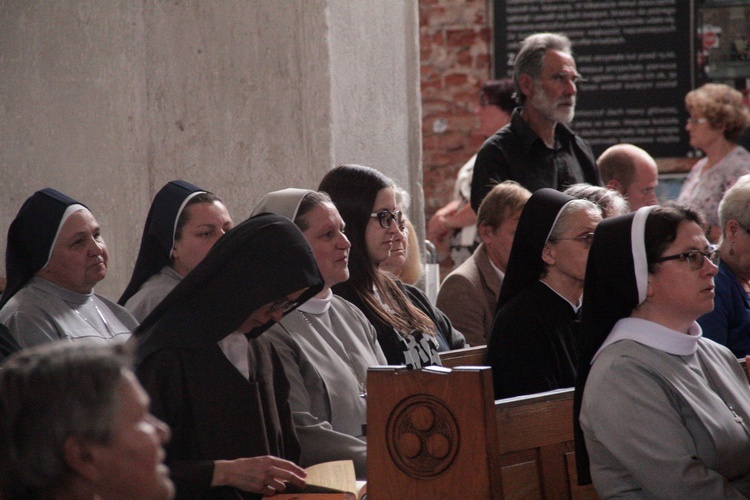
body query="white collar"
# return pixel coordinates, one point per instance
(655, 336)
(317, 305)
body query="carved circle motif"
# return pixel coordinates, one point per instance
(422, 436)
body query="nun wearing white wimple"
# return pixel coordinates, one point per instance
(327, 344)
(55, 256)
(664, 411)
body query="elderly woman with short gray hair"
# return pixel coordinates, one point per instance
(729, 322)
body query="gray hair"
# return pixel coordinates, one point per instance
(568, 212)
(48, 394)
(531, 54)
(610, 202)
(736, 204)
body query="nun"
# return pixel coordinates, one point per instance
(182, 225)
(55, 256)
(219, 385)
(531, 347)
(664, 412)
(327, 344)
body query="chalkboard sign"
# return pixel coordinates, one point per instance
(636, 58)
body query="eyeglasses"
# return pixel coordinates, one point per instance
(696, 121)
(385, 217)
(586, 239)
(284, 305)
(693, 257)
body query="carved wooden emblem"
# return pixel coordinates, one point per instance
(422, 436)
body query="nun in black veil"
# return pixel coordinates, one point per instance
(661, 412)
(182, 225)
(531, 347)
(55, 256)
(213, 379)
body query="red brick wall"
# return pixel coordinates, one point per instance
(455, 58)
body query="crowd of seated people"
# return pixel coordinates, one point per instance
(251, 343)
(246, 411)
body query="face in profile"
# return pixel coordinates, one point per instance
(325, 234)
(675, 286)
(132, 464)
(642, 191)
(567, 256)
(206, 223)
(79, 257)
(379, 239)
(498, 241)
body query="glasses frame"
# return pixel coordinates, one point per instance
(386, 217)
(587, 239)
(690, 257)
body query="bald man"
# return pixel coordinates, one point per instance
(631, 171)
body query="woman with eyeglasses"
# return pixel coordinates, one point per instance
(664, 412)
(531, 347)
(212, 376)
(717, 120)
(410, 332)
(729, 322)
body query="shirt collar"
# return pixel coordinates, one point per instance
(655, 336)
(317, 305)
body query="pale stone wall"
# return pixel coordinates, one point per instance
(107, 101)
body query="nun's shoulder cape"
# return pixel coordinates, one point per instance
(32, 235)
(259, 261)
(159, 232)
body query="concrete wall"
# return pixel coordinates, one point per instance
(107, 101)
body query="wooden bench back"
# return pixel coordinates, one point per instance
(471, 356)
(437, 434)
(431, 434)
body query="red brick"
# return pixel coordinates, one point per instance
(456, 80)
(463, 38)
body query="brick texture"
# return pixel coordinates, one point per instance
(455, 46)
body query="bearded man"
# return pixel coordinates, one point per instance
(537, 149)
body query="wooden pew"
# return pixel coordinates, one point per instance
(506, 449)
(471, 356)
(436, 433)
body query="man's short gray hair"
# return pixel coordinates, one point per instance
(48, 394)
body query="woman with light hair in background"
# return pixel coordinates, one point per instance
(404, 262)
(717, 119)
(729, 322)
(610, 202)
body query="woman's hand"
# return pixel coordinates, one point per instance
(266, 475)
